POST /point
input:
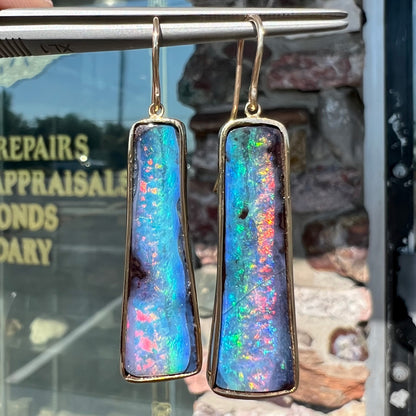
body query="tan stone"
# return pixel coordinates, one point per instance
(305, 275)
(43, 330)
(207, 254)
(211, 404)
(298, 410)
(347, 261)
(320, 331)
(326, 383)
(354, 408)
(350, 305)
(325, 379)
(198, 383)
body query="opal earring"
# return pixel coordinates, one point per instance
(253, 350)
(160, 337)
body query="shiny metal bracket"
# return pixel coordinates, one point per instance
(27, 32)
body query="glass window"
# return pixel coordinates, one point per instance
(63, 133)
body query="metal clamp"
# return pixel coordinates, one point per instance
(27, 32)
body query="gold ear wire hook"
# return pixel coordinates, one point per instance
(156, 107)
(252, 107)
(237, 84)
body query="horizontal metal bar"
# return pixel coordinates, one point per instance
(144, 15)
(26, 32)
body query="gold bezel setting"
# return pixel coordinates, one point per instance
(179, 126)
(216, 324)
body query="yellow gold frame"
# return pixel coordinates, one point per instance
(216, 322)
(179, 126)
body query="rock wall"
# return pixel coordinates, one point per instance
(312, 85)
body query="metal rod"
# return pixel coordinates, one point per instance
(166, 14)
(27, 32)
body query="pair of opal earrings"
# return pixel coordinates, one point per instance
(253, 349)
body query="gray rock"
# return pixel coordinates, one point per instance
(348, 344)
(207, 79)
(341, 123)
(351, 305)
(311, 72)
(205, 159)
(202, 212)
(326, 189)
(206, 280)
(348, 229)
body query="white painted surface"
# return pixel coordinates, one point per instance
(374, 186)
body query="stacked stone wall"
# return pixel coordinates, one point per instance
(312, 84)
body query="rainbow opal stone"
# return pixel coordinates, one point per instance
(255, 351)
(159, 338)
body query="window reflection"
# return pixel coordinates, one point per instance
(63, 143)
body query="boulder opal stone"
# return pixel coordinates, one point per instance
(159, 337)
(254, 348)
